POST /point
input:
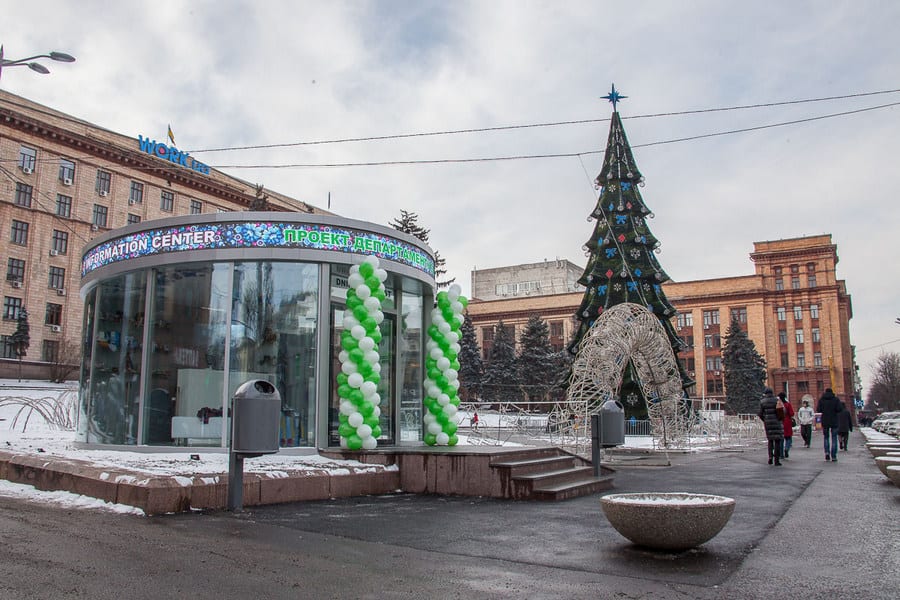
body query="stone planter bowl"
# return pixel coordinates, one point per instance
(878, 450)
(884, 462)
(667, 520)
(893, 473)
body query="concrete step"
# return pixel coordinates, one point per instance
(534, 465)
(573, 489)
(547, 479)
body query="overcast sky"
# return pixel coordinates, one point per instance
(228, 74)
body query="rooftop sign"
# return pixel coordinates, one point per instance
(171, 154)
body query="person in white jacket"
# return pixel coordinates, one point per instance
(806, 416)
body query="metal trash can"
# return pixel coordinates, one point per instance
(610, 424)
(255, 418)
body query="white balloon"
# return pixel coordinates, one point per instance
(376, 367)
(381, 274)
(431, 345)
(343, 356)
(363, 291)
(455, 384)
(444, 327)
(372, 260)
(358, 332)
(434, 391)
(429, 418)
(452, 337)
(434, 428)
(350, 321)
(376, 400)
(355, 380)
(443, 363)
(347, 408)
(437, 317)
(354, 269)
(370, 443)
(355, 420)
(367, 388)
(366, 343)
(355, 279)
(456, 307)
(348, 367)
(450, 410)
(364, 431)
(376, 412)
(443, 439)
(455, 348)
(378, 316)
(451, 375)
(436, 353)
(443, 399)
(344, 443)
(372, 303)
(454, 291)
(371, 357)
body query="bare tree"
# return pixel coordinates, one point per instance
(65, 361)
(884, 393)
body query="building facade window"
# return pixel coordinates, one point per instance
(779, 284)
(713, 363)
(57, 278)
(7, 350)
(798, 313)
(710, 317)
(166, 201)
(813, 311)
(714, 386)
(712, 341)
(798, 336)
(63, 206)
(685, 319)
(23, 195)
(136, 195)
(104, 182)
(19, 233)
(782, 337)
(53, 314)
(687, 340)
(784, 360)
(196, 207)
(814, 334)
(801, 360)
(795, 282)
(795, 268)
(50, 351)
(15, 270)
(132, 219)
(781, 313)
(66, 171)
(817, 359)
(740, 314)
(27, 159)
(99, 216)
(11, 308)
(60, 242)
(811, 278)
(802, 387)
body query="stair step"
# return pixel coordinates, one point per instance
(532, 462)
(574, 489)
(577, 472)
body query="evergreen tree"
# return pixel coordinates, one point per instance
(622, 264)
(745, 371)
(537, 362)
(409, 223)
(500, 381)
(471, 367)
(21, 338)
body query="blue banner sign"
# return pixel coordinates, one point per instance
(171, 154)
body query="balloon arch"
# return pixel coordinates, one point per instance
(623, 333)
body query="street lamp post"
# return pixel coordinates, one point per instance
(31, 61)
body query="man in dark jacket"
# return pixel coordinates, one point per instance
(845, 426)
(774, 424)
(828, 407)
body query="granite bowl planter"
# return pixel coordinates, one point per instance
(893, 473)
(884, 462)
(883, 450)
(667, 520)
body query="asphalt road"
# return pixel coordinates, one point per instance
(811, 529)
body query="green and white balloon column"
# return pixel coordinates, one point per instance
(360, 361)
(442, 368)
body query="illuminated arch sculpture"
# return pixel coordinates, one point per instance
(629, 332)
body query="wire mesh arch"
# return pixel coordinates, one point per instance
(623, 333)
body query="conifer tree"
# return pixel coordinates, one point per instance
(745, 371)
(21, 337)
(471, 367)
(537, 363)
(622, 264)
(500, 381)
(409, 223)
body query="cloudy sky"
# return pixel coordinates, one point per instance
(233, 74)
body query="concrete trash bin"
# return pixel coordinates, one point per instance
(255, 418)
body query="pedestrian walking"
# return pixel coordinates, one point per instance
(788, 423)
(828, 407)
(845, 426)
(806, 416)
(773, 420)
(474, 421)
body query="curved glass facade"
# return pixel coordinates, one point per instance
(166, 345)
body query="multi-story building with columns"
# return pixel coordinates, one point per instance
(64, 181)
(794, 308)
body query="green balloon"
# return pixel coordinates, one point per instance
(450, 428)
(443, 419)
(354, 442)
(369, 325)
(452, 355)
(342, 378)
(371, 421)
(348, 343)
(365, 369)
(353, 302)
(376, 431)
(356, 397)
(464, 301)
(380, 295)
(435, 333)
(344, 391)
(366, 270)
(454, 440)
(374, 377)
(441, 381)
(434, 373)
(373, 282)
(346, 430)
(454, 364)
(443, 296)
(351, 293)
(356, 355)
(366, 409)
(454, 400)
(342, 418)
(360, 312)
(430, 439)
(435, 409)
(376, 336)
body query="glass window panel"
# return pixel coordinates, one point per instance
(410, 361)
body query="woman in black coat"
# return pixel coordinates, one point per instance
(774, 424)
(845, 426)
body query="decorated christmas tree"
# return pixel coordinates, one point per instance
(622, 264)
